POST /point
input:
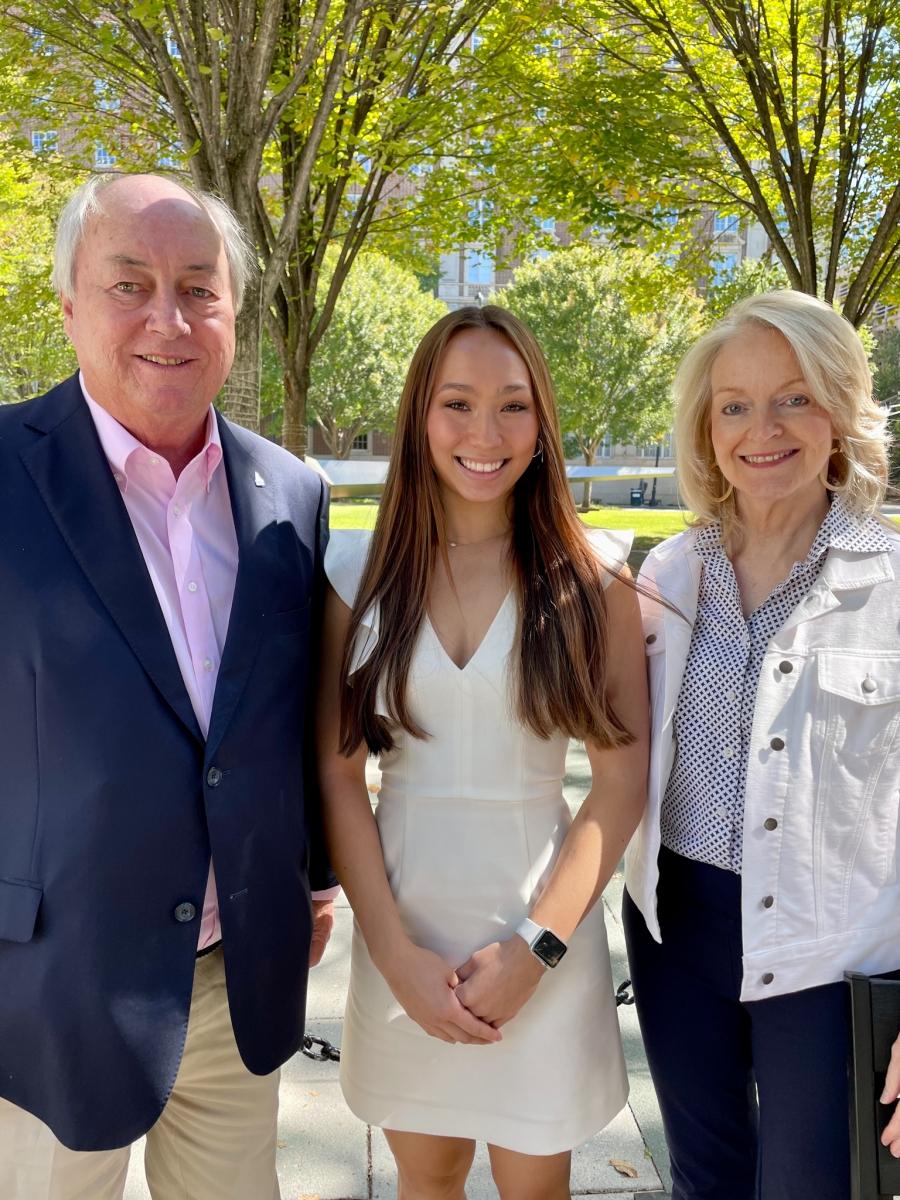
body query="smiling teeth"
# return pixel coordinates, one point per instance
(764, 458)
(480, 467)
(163, 362)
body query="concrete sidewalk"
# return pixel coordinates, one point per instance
(325, 1153)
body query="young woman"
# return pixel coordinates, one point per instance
(479, 628)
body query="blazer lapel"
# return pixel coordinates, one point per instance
(253, 503)
(71, 473)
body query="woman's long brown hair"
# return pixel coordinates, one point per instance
(560, 675)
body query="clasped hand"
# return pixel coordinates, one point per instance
(468, 1004)
(498, 979)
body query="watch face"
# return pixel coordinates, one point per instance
(549, 949)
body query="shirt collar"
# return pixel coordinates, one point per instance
(842, 529)
(119, 445)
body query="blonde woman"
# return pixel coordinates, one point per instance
(766, 863)
(479, 628)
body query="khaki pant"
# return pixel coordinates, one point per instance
(215, 1139)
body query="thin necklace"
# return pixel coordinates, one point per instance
(482, 542)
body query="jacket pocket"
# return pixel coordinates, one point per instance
(19, 904)
(861, 762)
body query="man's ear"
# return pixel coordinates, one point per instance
(67, 312)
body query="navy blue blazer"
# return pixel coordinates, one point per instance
(110, 800)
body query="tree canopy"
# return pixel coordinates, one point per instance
(612, 325)
(307, 118)
(358, 371)
(657, 113)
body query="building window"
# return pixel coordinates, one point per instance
(479, 267)
(725, 223)
(102, 157)
(172, 48)
(105, 101)
(724, 267)
(360, 443)
(43, 139)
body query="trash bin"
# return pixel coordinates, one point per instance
(637, 497)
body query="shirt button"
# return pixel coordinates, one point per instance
(207, 664)
(768, 977)
(785, 667)
(176, 509)
(728, 752)
(770, 823)
(213, 776)
(768, 901)
(731, 695)
(154, 461)
(721, 811)
(185, 912)
(192, 587)
(777, 743)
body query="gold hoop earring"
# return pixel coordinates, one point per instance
(836, 448)
(539, 452)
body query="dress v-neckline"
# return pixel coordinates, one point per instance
(487, 633)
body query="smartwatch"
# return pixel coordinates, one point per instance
(543, 943)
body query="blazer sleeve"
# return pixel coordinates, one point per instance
(321, 876)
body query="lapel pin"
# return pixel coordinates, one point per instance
(258, 479)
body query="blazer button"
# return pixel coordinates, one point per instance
(777, 743)
(770, 823)
(768, 977)
(768, 901)
(213, 776)
(185, 912)
(785, 667)
(650, 639)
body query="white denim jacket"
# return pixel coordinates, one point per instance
(820, 831)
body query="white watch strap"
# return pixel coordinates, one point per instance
(529, 930)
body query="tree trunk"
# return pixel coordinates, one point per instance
(296, 390)
(586, 494)
(240, 395)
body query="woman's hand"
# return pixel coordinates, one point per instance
(891, 1135)
(497, 980)
(424, 984)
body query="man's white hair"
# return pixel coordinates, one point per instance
(86, 202)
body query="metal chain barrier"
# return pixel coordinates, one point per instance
(319, 1050)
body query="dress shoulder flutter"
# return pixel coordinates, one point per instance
(471, 821)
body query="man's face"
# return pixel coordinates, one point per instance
(152, 315)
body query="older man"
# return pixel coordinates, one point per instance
(159, 573)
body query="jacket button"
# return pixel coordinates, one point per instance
(650, 639)
(768, 901)
(777, 743)
(213, 776)
(785, 667)
(770, 823)
(768, 977)
(185, 912)
(869, 685)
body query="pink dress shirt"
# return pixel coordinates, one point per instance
(185, 529)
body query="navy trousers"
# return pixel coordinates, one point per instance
(754, 1096)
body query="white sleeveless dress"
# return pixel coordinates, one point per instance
(471, 821)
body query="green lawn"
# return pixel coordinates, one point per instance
(650, 525)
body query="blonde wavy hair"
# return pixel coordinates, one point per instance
(833, 361)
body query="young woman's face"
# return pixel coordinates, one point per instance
(482, 420)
